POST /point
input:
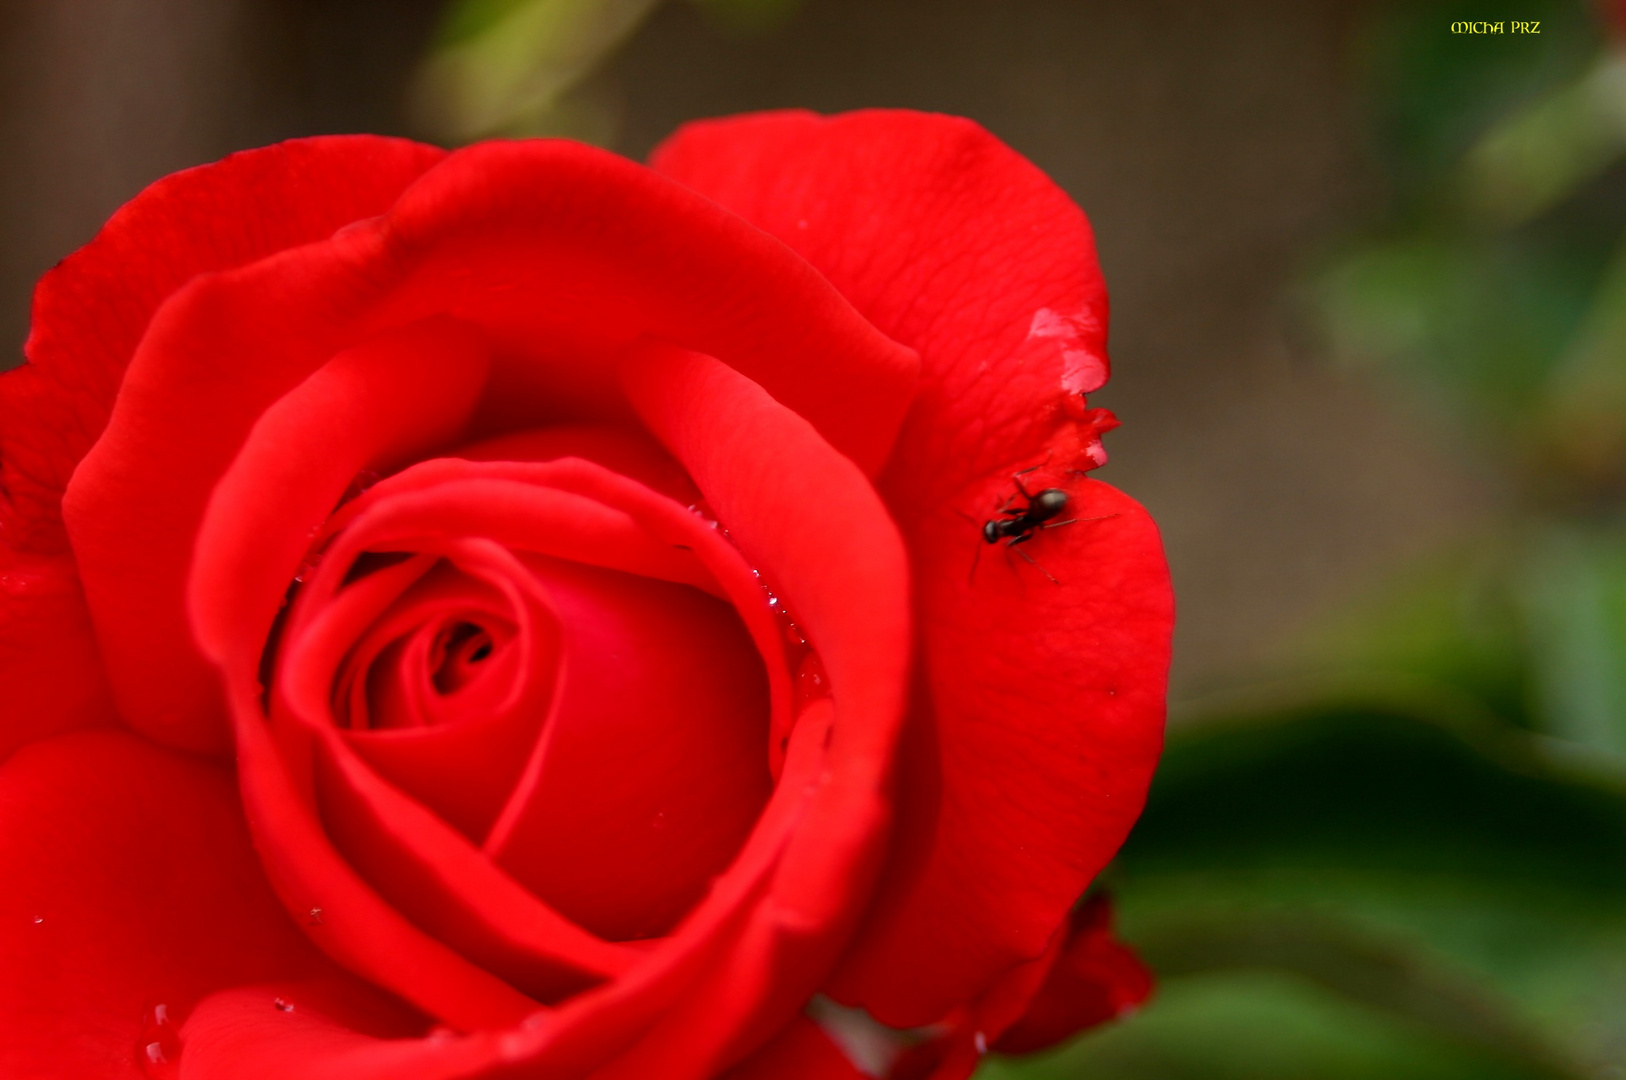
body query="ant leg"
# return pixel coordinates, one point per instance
(1033, 562)
(976, 555)
(1016, 478)
(1073, 521)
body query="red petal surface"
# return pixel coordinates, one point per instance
(559, 254)
(51, 676)
(130, 883)
(651, 770)
(320, 1030)
(1028, 756)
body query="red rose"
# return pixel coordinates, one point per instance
(572, 569)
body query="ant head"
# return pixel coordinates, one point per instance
(1050, 501)
(990, 532)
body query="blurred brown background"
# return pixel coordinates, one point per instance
(1215, 146)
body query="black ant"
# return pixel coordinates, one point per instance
(1021, 523)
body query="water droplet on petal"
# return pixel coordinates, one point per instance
(283, 1005)
(359, 483)
(38, 919)
(811, 681)
(314, 918)
(158, 1048)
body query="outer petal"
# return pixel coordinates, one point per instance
(92, 308)
(130, 883)
(1031, 745)
(560, 255)
(945, 239)
(1096, 978)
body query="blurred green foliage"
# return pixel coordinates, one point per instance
(514, 67)
(1497, 283)
(1408, 859)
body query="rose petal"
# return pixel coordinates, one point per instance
(318, 1031)
(1084, 978)
(558, 253)
(91, 309)
(461, 766)
(1096, 978)
(1029, 757)
(130, 882)
(1032, 762)
(435, 877)
(624, 450)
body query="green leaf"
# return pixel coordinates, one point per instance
(1534, 158)
(503, 66)
(1251, 1025)
(1434, 94)
(1446, 887)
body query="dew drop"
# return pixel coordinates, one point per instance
(283, 1005)
(158, 1048)
(359, 483)
(314, 917)
(38, 919)
(811, 681)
